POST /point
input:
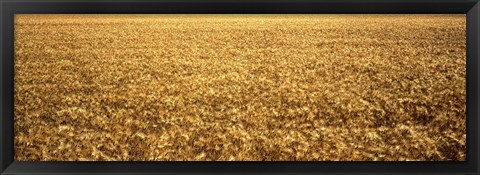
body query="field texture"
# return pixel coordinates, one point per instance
(240, 87)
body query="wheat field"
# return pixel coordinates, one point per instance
(240, 87)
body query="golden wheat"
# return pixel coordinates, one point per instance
(240, 87)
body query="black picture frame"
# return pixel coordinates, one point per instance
(10, 7)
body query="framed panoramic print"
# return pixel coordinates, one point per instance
(239, 86)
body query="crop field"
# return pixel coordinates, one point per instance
(240, 87)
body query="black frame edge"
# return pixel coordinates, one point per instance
(473, 78)
(242, 6)
(2, 147)
(6, 130)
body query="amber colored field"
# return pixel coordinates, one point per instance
(240, 87)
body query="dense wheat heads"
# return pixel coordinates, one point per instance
(240, 87)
